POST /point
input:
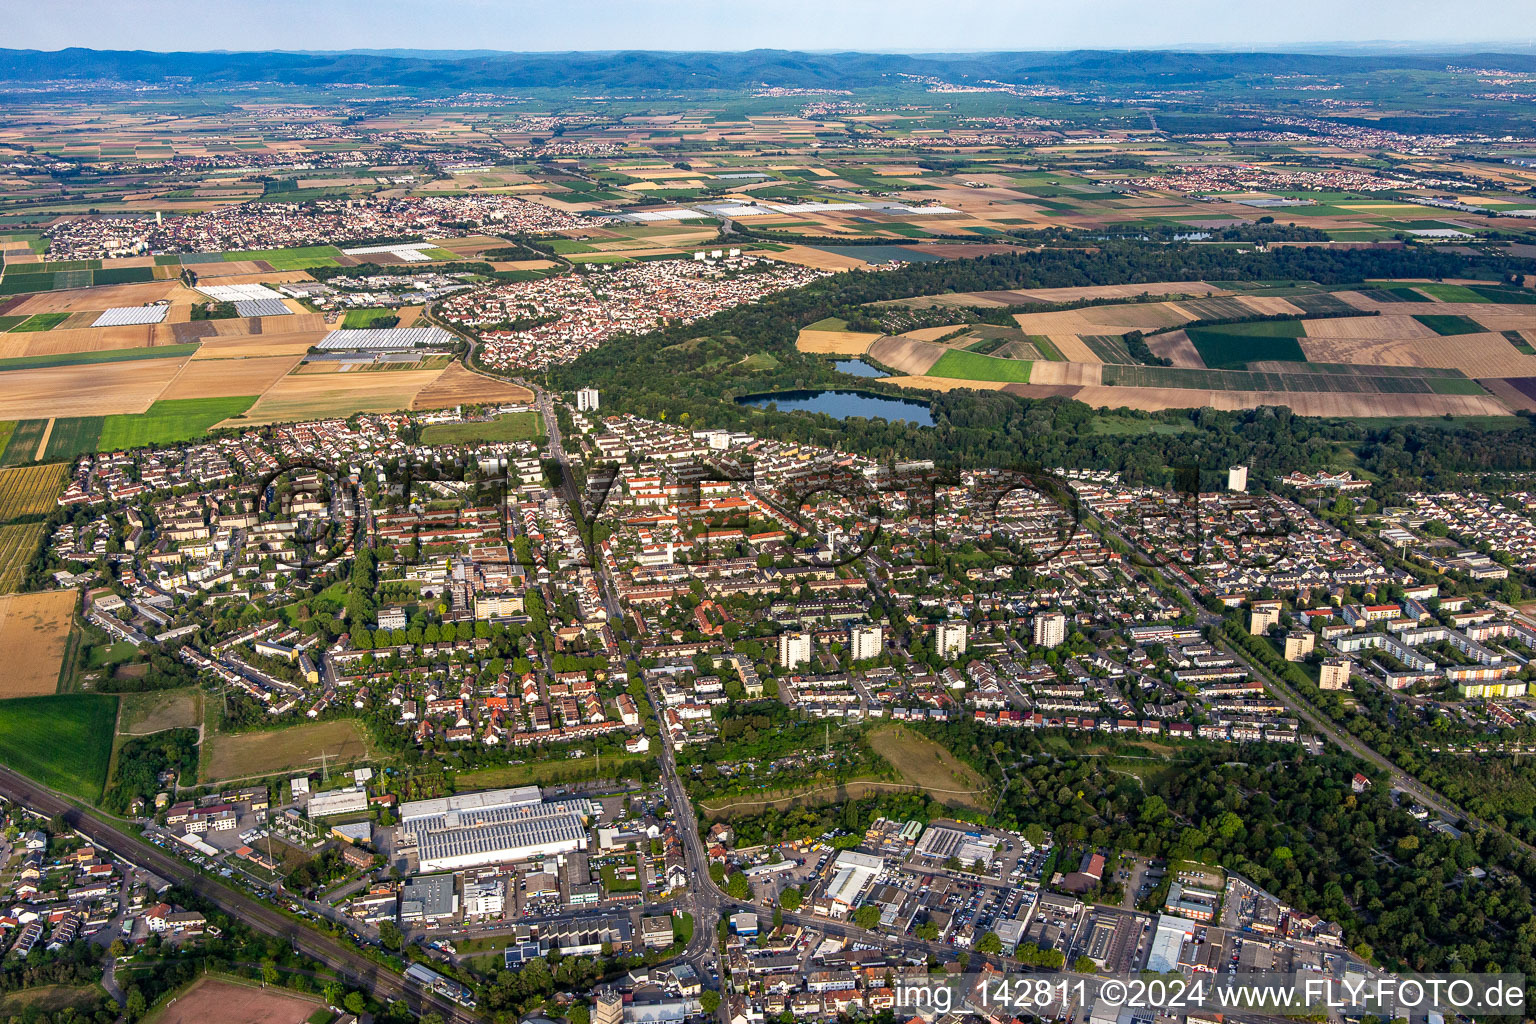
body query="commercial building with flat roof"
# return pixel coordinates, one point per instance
(493, 827)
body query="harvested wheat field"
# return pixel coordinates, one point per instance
(1080, 374)
(233, 1003)
(1368, 327)
(1073, 348)
(1476, 355)
(62, 341)
(911, 357)
(228, 378)
(1114, 291)
(250, 346)
(1303, 403)
(1507, 321)
(459, 385)
(104, 296)
(805, 256)
(835, 343)
(925, 383)
(1144, 316)
(34, 631)
(1270, 305)
(308, 397)
(87, 389)
(1175, 345)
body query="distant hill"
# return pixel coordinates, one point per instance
(651, 70)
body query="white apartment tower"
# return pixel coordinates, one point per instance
(1050, 629)
(950, 638)
(586, 400)
(866, 642)
(794, 649)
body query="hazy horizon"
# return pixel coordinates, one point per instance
(957, 26)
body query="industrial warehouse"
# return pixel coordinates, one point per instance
(494, 827)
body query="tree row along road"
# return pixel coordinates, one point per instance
(383, 982)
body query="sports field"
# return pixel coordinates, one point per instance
(232, 1002)
(169, 421)
(34, 634)
(273, 751)
(63, 741)
(965, 365)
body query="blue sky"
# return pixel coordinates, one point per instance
(729, 25)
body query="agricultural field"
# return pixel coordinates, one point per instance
(274, 751)
(31, 491)
(517, 426)
(1450, 324)
(459, 385)
(1236, 345)
(34, 634)
(970, 366)
(18, 543)
(168, 421)
(63, 741)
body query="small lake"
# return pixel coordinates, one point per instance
(843, 404)
(857, 368)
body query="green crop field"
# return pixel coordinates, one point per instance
(299, 258)
(168, 421)
(1235, 345)
(72, 437)
(964, 365)
(1453, 386)
(1449, 323)
(1521, 296)
(40, 322)
(23, 439)
(62, 741)
(517, 426)
(1450, 292)
(356, 318)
